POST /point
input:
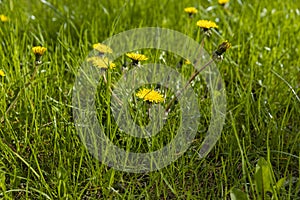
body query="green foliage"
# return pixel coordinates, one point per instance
(236, 194)
(42, 156)
(265, 183)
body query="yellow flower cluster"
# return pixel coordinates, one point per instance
(206, 25)
(38, 50)
(102, 63)
(150, 95)
(3, 18)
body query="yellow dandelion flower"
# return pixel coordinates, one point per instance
(3, 18)
(206, 24)
(102, 48)
(102, 63)
(38, 50)
(112, 65)
(191, 10)
(187, 62)
(2, 72)
(150, 95)
(136, 56)
(223, 2)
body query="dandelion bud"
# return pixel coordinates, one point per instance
(222, 48)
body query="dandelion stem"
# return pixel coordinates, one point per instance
(12, 105)
(187, 84)
(33, 75)
(108, 95)
(217, 54)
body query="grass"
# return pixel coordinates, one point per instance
(42, 156)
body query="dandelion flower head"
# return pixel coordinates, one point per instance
(102, 48)
(3, 18)
(206, 24)
(136, 56)
(102, 63)
(223, 2)
(38, 50)
(2, 72)
(191, 10)
(187, 62)
(150, 95)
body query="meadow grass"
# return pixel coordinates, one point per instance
(42, 156)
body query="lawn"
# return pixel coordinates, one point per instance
(44, 152)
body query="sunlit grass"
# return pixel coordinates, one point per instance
(42, 156)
